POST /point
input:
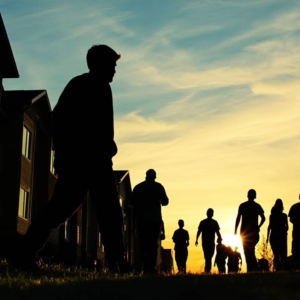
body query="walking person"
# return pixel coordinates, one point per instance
(294, 215)
(277, 234)
(221, 256)
(181, 239)
(234, 262)
(84, 144)
(147, 199)
(249, 212)
(209, 229)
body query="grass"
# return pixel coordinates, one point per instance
(57, 282)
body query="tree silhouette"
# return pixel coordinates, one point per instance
(263, 250)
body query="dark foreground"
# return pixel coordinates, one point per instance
(50, 285)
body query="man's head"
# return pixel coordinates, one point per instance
(251, 194)
(210, 213)
(181, 223)
(150, 174)
(101, 60)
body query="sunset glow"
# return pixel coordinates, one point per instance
(206, 93)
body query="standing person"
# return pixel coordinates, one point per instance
(181, 239)
(84, 144)
(249, 211)
(277, 233)
(209, 228)
(234, 260)
(147, 199)
(221, 256)
(294, 215)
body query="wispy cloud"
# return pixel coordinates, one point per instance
(207, 94)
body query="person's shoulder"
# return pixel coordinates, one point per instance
(79, 78)
(158, 184)
(257, 204)
(243, 204)
(202, 222)
(295, 207)
(138, 185)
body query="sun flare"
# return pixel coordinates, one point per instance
(233, 241)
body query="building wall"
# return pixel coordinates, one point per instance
(10, 178)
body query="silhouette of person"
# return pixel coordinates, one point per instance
(234, 262)
(181, 239)
(249, 211)
(209, 228)
(277, 233)
(83, 138)
(147, 199)
(221, 256)
(162, 231)
(294, 215)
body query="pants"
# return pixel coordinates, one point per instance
(279, 248)
(296, 251)
(209, 250)
(181, 256)
(148, 235)
(221, 266)
(249, 243)
(69, 192)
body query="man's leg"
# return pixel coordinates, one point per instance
(296, 252)
(65, 200)
(153, 231)
(178, 261)
(142, 244)
(208, 250)
(104, 195)
(184, 260)
(249, 251)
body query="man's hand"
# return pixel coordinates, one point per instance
(196, 243)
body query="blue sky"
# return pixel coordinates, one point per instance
(206, 93)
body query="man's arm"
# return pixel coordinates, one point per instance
(286, 223)
(237, 222)
(198, 234)
(262, 220)
(291, 215)
(268, 231)
(174, 237)
(164, 199)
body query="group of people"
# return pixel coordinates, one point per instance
(83, 140)
(251, 216)
(208, 228)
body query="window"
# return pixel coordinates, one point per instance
(52, 162)
(78, 237)
(26, 144)
(67, 230)
(100, 245)
(23, 204)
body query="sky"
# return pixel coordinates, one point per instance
(206, 93)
